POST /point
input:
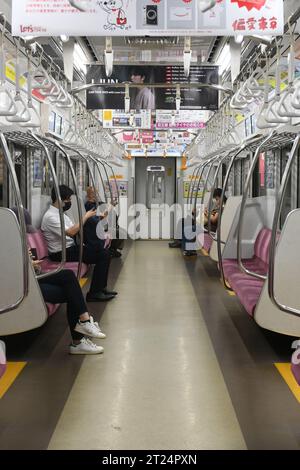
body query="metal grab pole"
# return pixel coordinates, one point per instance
(22, 224)
(117, 188)
(279, 204)
(207, 179)
(220, 212)
(242, 210)
(60, 210)
(79, 209)
(220, 260)
(193, 183)
(107, 178)
(205, 164)
(97, 162)
(213, 187)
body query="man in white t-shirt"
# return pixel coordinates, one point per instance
(51, 228)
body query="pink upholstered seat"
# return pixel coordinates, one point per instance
(296, 372)
(248, 288)
(2, 369)
(36, 240)
(205, 240)
(2, 361)
(52, 308)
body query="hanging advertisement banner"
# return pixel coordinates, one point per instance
(113, 118)
(181, 120)
(153, 98)
(146, 17)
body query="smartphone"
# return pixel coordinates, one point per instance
(34, 253)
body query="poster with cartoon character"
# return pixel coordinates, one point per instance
(146, 17)
(115, 14)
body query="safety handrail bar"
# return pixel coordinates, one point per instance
(242, 209)
(190, 185)
(194, 182)
(117, 187)
(22, 224)
(60, 209)
(207, 178)
(220, 211)
(205, 164)
(117, 190)
(107, 178)
(272, 252)
(213, 186)
(97, 162)
(79, 210)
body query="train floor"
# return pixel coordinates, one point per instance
(184, 367)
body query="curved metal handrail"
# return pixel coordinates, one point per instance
(117, 187)
(213, 187)
(243, 146)
(79, 210)
(193, 183)
(242, 210)
(97, 163)
(22, 224)
(272, 252)
(107, 178)
(220, 260)
(60, 209)
(205, 164)
(190, 185)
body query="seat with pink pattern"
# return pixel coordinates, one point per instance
(36, 240)
(246, 287)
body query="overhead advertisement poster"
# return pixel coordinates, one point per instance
(146, 17)
(101, 97)
(113, 118)
(181, 119)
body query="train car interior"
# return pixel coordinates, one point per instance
(149, 225)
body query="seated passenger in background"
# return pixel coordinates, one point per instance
(90, 227)
(188, 235)
(63, 287)
(51, 228)
(214, 216)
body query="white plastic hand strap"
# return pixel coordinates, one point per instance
(7, 105)
(22, 113)
(40, 76)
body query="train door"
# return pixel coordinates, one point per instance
(155, 193)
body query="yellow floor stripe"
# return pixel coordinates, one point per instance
(12, 371)
(83, 281)
(287, 375)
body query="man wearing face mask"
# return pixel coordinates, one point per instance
(51, 229)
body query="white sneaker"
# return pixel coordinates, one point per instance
(89, 328)
(103, 335)
(85, 347)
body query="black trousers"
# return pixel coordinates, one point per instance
(61, 288)
(99, 257)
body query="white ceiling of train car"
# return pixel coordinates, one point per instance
(152, 50)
